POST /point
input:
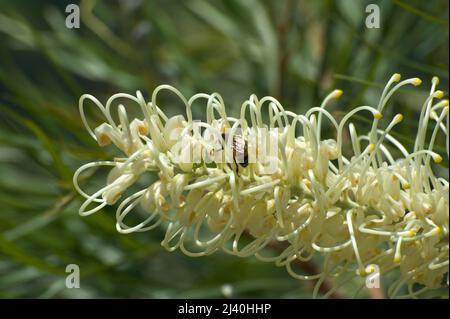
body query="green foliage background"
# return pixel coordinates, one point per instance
(296, 51)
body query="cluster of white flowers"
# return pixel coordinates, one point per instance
(382, 205)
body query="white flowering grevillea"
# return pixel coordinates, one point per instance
(381, 206)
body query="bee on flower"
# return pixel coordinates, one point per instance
(240, 184)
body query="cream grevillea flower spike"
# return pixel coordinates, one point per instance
(219, 187)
